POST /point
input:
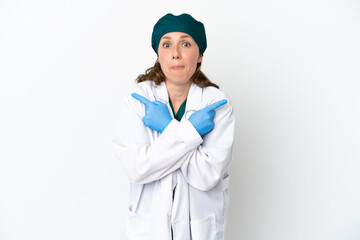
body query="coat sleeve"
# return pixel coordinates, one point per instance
(206, 165)
(144, 154)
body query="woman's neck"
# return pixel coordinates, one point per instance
(177, 93)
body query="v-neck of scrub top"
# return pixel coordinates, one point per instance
(180, 111)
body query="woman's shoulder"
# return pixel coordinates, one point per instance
(213, 94)
(144, 88)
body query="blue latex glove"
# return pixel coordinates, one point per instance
(157, 115)
(202, 120)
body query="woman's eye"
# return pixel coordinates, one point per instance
(166, 45)
(186, 44)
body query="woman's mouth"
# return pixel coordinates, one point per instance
(177, 67)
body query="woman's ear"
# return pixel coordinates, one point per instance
(200, 58)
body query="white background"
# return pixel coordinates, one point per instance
(291, 69)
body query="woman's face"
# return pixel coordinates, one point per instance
(178, 57)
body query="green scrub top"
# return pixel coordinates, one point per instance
(180, 112)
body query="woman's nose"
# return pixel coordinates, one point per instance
(176, 53)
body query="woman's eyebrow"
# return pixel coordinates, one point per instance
(183, 36)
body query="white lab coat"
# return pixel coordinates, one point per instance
(155, 163)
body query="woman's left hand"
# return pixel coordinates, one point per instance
(157, 116)
(202, 120)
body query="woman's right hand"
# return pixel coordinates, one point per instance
(202, 120)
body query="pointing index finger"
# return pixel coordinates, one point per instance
(141, 99)
(216, 105)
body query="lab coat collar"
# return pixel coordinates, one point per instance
(161, 93)
(193, 99)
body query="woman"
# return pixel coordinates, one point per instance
(174, 141)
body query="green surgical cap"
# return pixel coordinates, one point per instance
(183, 23)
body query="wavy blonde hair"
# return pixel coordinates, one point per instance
(156, 75)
